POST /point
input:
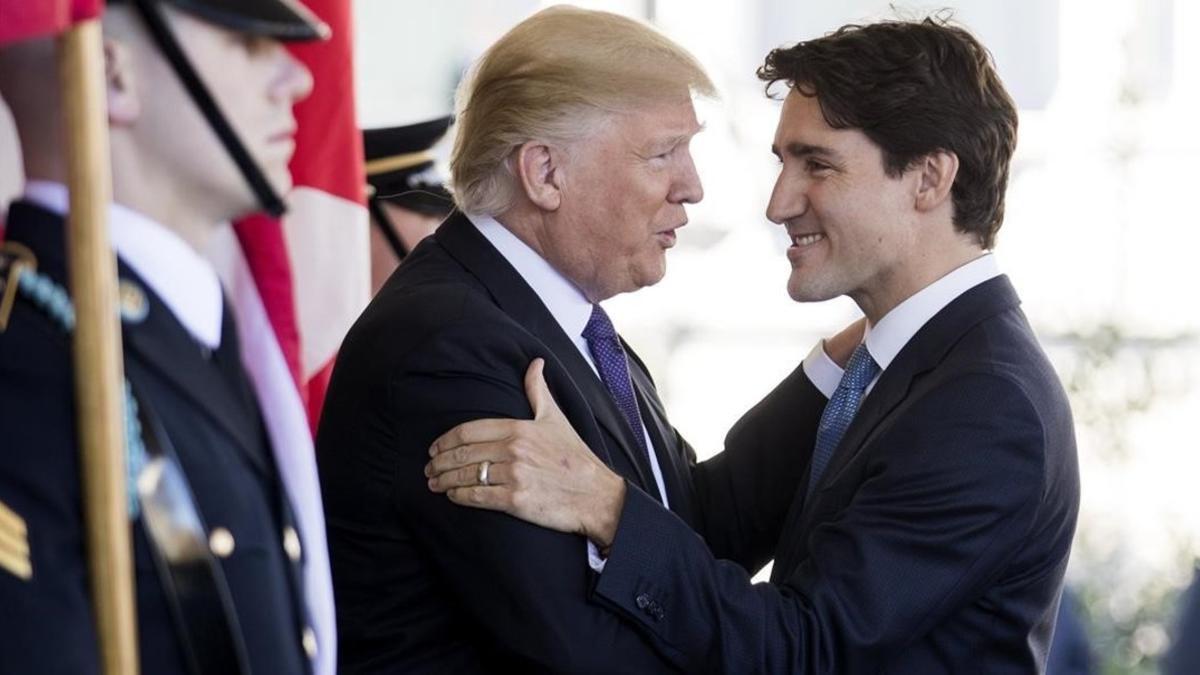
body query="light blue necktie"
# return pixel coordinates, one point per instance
(843, 405)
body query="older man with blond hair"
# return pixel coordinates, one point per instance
(571, 169)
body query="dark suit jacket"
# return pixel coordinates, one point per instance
(1071, 649)
(935, 542)
(1183, 658)
(423, 585)
(211, 419)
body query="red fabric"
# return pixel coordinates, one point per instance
(23, 19)
(329, 153)
(263, 244)
(328, 157)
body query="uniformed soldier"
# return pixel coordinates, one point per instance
(217, 558)
(406, 192)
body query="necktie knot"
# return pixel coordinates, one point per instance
(861, 369)
(599, 326)
(841, 409)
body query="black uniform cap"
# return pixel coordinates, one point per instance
(400, 168)
(285, 20)
(277, 19)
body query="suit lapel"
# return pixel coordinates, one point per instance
(163, 346)
(922, 354)
(463, 241)
(675, 473)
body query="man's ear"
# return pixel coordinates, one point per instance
(540, 176)
(937, 172)
(124, 105)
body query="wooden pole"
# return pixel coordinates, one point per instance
(99, 380)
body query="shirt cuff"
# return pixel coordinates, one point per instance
(822, 371)
(594, 560)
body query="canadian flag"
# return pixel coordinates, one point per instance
(298, 283)
(22, 19)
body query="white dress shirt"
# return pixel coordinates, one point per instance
(168, 265)
(569, 308)
(885, 340)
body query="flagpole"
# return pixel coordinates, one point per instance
(97, 347)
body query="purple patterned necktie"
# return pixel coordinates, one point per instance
(840, 411)
(614, 372)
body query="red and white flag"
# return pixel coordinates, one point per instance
(24, 19)
(298, 283)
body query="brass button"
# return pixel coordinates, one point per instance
(132, 301)
(220, 542)
(291, 543)
(309, 641)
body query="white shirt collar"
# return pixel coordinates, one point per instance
(179, 275)
(885, 339)
(564, 300)
(569, 307)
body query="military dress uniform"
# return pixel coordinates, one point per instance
(201, 406)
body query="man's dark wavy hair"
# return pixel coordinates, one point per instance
(914, 88)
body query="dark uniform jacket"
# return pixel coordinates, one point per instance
(424, 585)
(209, 414)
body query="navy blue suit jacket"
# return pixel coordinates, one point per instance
(1183, 658)
(211, 418)
(424, 585)
(1071, 649)
(935, 542)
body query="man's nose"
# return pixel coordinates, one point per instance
(688, 188)
(788, 200)
(295, 82)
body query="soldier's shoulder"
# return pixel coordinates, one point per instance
(31, 335)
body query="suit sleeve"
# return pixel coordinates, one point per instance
(933, 522)
(743, 493)
(525, 586)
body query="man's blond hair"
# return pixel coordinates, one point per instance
(552, 78)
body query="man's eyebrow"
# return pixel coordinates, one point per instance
(679, 138)
(802, 150)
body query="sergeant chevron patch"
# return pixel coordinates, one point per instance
(14, 544)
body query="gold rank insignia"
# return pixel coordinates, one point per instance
(133, 302)
(13, 258)
(14, 544)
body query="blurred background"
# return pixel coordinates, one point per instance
(1101, 240)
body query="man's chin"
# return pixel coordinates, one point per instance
(655, 275)
(282, 185)
(802, 290)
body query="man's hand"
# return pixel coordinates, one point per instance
(841, 347)
(538, 470)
